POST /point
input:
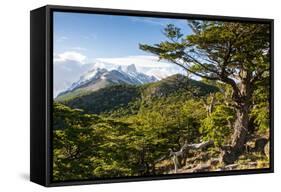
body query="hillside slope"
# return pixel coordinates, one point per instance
(129, 97)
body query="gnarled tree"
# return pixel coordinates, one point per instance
(237, 54)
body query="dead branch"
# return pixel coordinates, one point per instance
(184, 149)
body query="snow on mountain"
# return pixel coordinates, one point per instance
(131, 69)
(141, 78)
(86, 78)
(129, 75)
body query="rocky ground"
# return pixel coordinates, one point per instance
(256, 156)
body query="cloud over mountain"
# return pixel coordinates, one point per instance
(70, 65)
(146, 64)
(69, 56)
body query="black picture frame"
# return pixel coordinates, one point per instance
(41, 93)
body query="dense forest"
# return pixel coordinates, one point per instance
(220, 121)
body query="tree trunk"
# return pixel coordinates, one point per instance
(242, 95)
(239, 137)
(176, 163)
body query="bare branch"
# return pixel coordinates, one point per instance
(258, 75)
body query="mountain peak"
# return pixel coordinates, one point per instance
(131, 68)
(97, 78)
(119, 68)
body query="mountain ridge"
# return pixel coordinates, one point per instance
(98, 78)
(112, 98)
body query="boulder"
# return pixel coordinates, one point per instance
(260, 145)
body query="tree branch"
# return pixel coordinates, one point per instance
(258, 75)
(199, 63)
(193, 72)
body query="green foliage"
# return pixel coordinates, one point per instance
(260, 110)
(72, 141)
(125, 100)
(107, 100)
(177, 84)
(262, 119)
(86, 142)
(217, 126)
(173, 32)
(123, 146)
(72, 95)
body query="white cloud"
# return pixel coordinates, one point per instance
(69, 56)
(139, 61)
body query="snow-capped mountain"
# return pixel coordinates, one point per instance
(97, 78)
(90, 75)
(137, 77)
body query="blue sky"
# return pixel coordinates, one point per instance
(98, 35)
(83, 41)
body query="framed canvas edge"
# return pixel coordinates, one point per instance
(49, 89)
